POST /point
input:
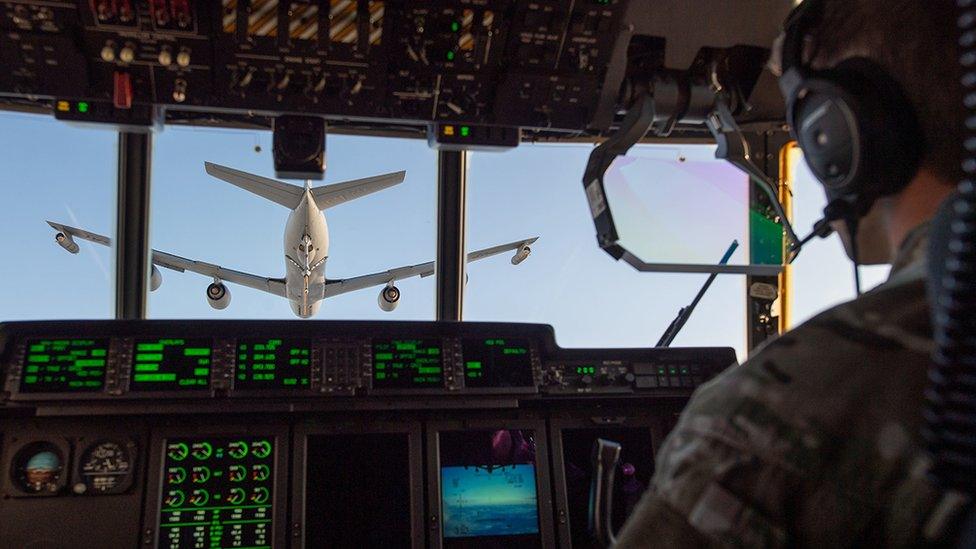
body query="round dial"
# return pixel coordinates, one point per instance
(106, 467)
(39, 469)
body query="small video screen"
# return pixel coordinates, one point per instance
(489, 495)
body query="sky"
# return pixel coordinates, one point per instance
(675, 203)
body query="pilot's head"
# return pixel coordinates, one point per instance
(875, 102)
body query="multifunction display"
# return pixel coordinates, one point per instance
(171, 364)
(217, 492)
(273, 363)
(408, 364)
(497, 363)
(64, 365)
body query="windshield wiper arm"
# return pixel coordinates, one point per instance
(685, 312)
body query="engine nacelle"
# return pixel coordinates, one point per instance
(389, 298)
(218, 295)
(155, 279)
(65, 241)
(520, 255)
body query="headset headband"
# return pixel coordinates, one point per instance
(796, 29)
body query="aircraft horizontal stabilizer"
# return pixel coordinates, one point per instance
(286, 194)
(328, 196)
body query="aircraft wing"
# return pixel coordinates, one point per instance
(341, 286)
(274, 286)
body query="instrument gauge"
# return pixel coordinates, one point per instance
(38, 469)
(106, 467)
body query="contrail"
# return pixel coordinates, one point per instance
(93, 254)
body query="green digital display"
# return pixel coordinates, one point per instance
(171, 364)
(217, 492)
(407, 364)
(273, 364)
(497, 363)
(64, 365)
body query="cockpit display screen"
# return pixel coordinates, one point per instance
(171, 364)
(217, 492)
(408, 364)
(497, 363)
(64, 366)
(483, 501)
(264, 363)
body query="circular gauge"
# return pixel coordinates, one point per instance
(237, 449)
(260, 495)
(38, 468)
(201, 474)
(261, 449)
(237, 496)
(202, 450)
(199, 498)
(236, 473)
(106, 467)
(260, 472)
(177, 451)
(174, 498)
(175, 475)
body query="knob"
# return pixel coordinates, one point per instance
(108, 53)
(586, 380)
(179, 90)
(629, 378)
(127, 53)
(183, 58)
(165, 57)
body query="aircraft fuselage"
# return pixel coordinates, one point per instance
(306, 250)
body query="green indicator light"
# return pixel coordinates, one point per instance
(474, 365)
(380, 375)
(450, 56)
(196, 351)
(201, 371)
(139, 378)
(98, 352)
(428, 370)
(147, 367)
(465, 131)
(37, 348)
(149, 357)
(30, 379)
(149, 347)
(455, 26)
(289, 381)
(39, 358)
(82, 106)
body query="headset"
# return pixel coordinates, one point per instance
(858, 130)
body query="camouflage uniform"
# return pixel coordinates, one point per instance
(814, 441)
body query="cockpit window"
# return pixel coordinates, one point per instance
(191, 211)
(567, 281)
(65, 174)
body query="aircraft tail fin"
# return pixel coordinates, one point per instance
(328, 196)
(283, 193)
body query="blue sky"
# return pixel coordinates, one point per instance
(64, 173)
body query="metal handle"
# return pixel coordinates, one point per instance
(606, 455)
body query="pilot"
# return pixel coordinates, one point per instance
(815, 440)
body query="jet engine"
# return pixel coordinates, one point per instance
(66, 242)
(520, 255)
(389, 298)
(218, 295)
(156, 280)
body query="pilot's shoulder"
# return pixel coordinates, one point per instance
(869, 352)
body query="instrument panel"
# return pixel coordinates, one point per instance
(180, 434)
(109, 360)
(539, 64)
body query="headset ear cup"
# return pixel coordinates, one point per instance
(826, 129)
(858, 131)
